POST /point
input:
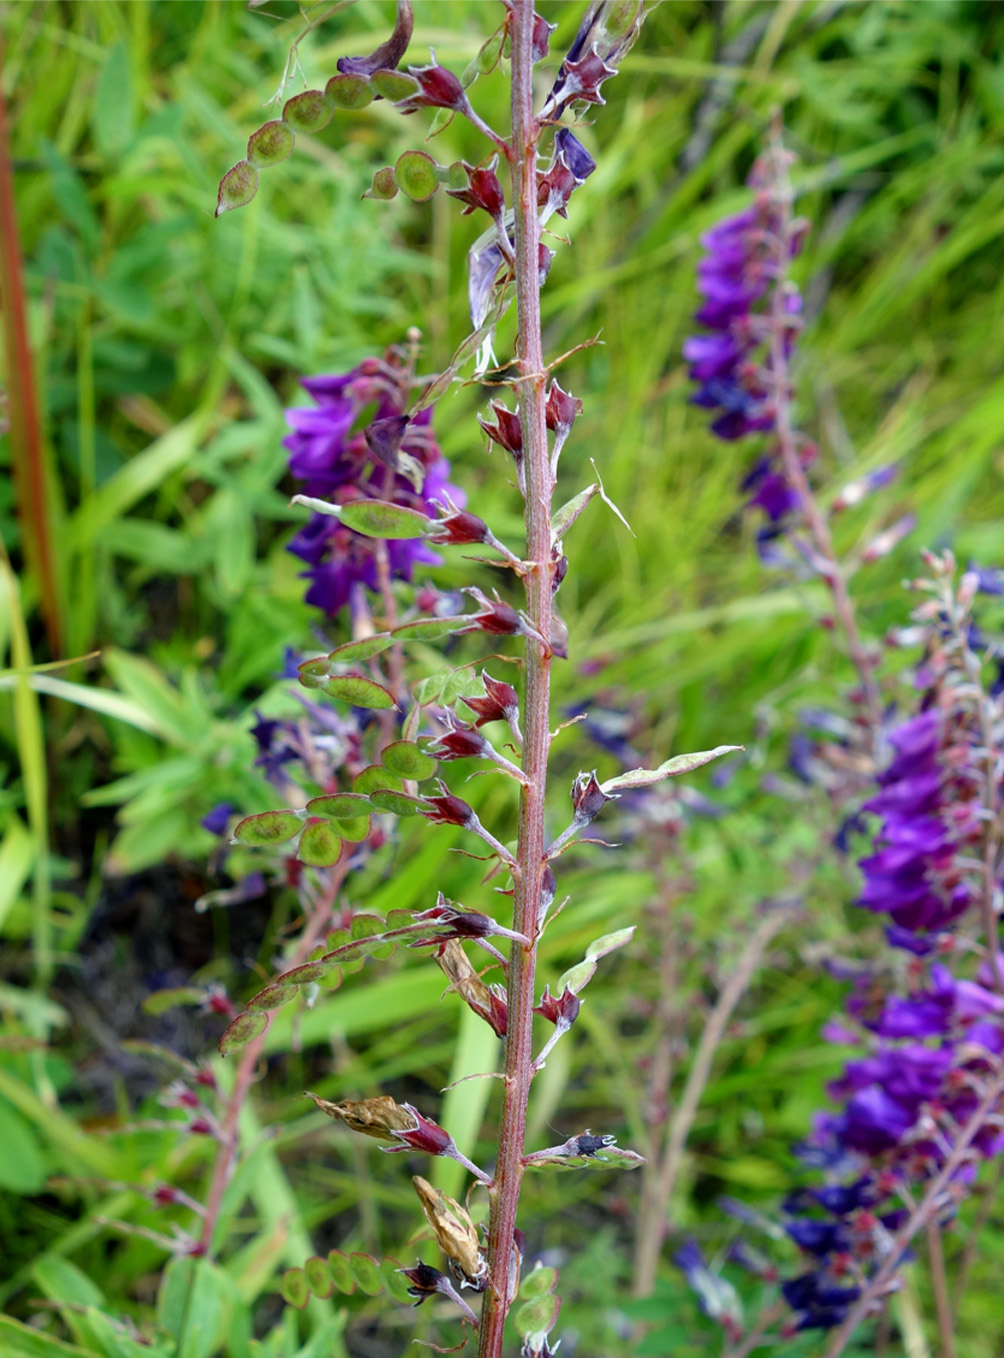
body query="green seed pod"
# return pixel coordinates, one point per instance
(271, 144)
(237, 187)
(416, 176)
(349, 91)
(384, 185)
(307, 112)
(394, 85)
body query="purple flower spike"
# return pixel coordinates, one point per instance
(339, 461)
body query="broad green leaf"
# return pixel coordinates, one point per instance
(354, 829)
(359, 691)
(430, 629)
(294, 1287)
(244, 1029)
(319, 1277)
(375, 776)
(395, 1285)
(339, 805)
(398, 803)
(320, 845)
(383, 519)
(352, 651)
(266, 828)
(312, 673)
(366, 1272)
(405, 758)
(341, 1272)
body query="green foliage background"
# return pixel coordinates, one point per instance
(167, 345)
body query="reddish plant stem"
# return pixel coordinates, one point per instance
(504, 1195)
(926, 1211)
(818, 528)
(226, 1156)
(27, 462)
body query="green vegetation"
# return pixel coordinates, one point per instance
(167, 345)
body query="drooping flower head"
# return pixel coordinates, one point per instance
(357, 442)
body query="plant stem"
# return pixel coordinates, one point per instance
(226, 1156)
(818, 528)
(536, 690)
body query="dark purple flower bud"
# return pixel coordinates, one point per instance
(501, 702)
(437, 88)
(388, 54)
(426, 1281)
(216, 820)
(574, 154)
(201, 1127)
(384, 439)
(822, 1304)
(558, 575)
(460, 743)
(497, 618)
(561, 409)
(483, 190)
(461, 923)
(449, 810)
(570, 167)
(458, 528)
(582, 79)
(506, 430)
(562, 1011)
(165, 1195)
(588, 798)
(426, 1136)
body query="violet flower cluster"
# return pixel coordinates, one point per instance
(744, 282)
(356, 442)
(932, 1027)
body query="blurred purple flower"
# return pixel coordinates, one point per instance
(329, 451)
